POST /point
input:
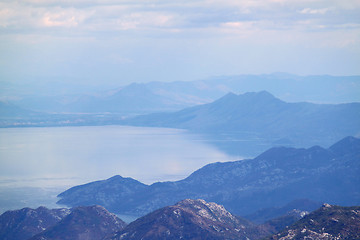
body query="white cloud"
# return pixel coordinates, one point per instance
(112, 15)
(186, 19)
(314, 11)
(63, 18)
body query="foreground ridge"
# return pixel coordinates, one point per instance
(24, 223)
(328, 222)
(187, 219)
(83, 223)
(190, 219)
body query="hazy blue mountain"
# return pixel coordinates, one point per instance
(165, 96)
(9, 110)
(132, 99)
(136, 98)
(47, 104)
(90, 223)
(265, 118)
(15, 116)
(273, 179)
(293, 88)
(25, 223)
(328, 222)
(190, 219)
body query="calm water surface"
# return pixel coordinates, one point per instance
(73, 154)
(55, 158)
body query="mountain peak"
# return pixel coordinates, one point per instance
(190, 219)
(262, 96)
(27, 222)
(116, 185)
(205, 209)
(92, 222)
(116, 178)
(246, 99)
(230, 96)
(259, 94)
(347, 145)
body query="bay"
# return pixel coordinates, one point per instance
(38, 163)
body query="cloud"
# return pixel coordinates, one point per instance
(194, 35)
(63, 18)
(314, 11)
(121, 15)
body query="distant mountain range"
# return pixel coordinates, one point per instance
(243, 125)
(11, 111)
(265, 118)
(273, 179)
(140, 98)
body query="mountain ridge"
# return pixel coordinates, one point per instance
(274, 178)
(186, 219)
(44, 97)
(263, 118)
(24, 223)
(190, 219)
(328, 222)
(90, 223)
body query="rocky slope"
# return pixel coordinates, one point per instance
(25, 223)
(190, 219)
(329, 222)
(83, 223)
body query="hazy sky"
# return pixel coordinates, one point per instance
(109, 41)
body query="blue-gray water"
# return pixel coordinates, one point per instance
(38, 163)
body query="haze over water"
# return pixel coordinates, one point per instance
(49, 157)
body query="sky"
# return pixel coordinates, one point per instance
(122, 41)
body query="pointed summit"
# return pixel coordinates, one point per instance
(229, 97)
(115, 184)
(347, 145)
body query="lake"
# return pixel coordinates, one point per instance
(38, 163)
